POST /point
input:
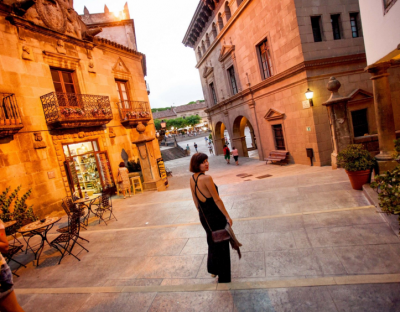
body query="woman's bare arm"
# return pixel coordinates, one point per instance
(196, 202)
(218, 201)
(3, 241)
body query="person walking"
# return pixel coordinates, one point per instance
(123, 179)
(195, 147)
(188, 150)
(8, 299)
(227, 154)
(210, 148)
(206, 140)
(213, 217)
(235, 154)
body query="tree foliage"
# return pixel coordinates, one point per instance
(178, 122)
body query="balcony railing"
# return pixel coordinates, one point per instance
(10, 116)
(70, 110)
(132, 112)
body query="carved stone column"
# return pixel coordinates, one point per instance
(339, 123)
(148, 162)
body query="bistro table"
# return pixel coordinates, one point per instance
(35, 228)
(87, 202)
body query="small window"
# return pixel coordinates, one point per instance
(354, 25)
(266, 61)
(220, 22)
(279, 139)
(203, 47)
(123, 94)
(227, 11)
(335, 20)
(232, 79)
(360, 122)
(214, 95)
(199, 52)
(207, 41)
(214, 31)
(63, 81)
(316, 28)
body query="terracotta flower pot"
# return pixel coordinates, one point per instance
(359, 178)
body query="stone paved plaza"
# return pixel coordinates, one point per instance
(310, 243)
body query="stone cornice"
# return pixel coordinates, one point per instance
(297, 69)
(111, 24)
(223, 31)
(22, 23)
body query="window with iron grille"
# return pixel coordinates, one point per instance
(279, 139)
(354, 25)
(232, 79)
(214, 95)
(335, 20)
(266, 60)
(316, 28)
(360, 122)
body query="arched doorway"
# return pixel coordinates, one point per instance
(221, 134)
(244, 138)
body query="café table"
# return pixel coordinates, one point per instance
(37, 228)
(87, 202)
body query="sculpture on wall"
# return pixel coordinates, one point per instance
(58, 15)
(111, 133)
(60, 47)
(27, 53)
(39, 143)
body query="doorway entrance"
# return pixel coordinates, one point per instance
(88, 168)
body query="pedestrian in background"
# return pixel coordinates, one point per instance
(123, 179)
(213, 217)
(210, 148)
(188, 150)
(8, 300)
(235, 154)
(205, 139)
(227, 154)
(195, 147)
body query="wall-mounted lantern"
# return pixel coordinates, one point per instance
(309, 95)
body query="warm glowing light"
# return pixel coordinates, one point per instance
(309, 94)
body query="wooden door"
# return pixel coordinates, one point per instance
(279, 139)
(123, 94)
(73, 178)
(65, 87)
(104, 168)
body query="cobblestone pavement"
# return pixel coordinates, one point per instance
(310, 243)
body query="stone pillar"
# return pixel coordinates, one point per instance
(148, 162)
(219, 146)
(339, 123)
(253, 139)
(240, 144)
(383, 110)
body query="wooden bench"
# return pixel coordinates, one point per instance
(278, 156)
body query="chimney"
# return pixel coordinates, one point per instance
(86, 11)
(106, 10)
(126, 11)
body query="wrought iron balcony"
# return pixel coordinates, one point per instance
(133, 112)
(10, 116)
(70, 110)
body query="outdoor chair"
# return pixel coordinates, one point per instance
(12, 251)
(104, 206)
(65, 242)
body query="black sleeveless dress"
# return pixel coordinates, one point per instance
(219, 260)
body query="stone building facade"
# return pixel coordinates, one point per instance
(184, 111)
(257, 59)
(72, 102)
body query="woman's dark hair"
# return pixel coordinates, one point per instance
(121, 164)
(225, 145)
(196, 161)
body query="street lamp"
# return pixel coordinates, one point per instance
(309, 95)
(172, 128)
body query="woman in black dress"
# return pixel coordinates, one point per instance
(211, 210)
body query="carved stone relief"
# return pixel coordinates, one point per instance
(39, 143)
(60, 47)
(27, 53)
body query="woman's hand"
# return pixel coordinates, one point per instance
(229, 220)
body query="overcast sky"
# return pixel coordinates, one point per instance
(160, 28)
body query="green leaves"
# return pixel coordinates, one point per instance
(355, 158)
(178, 122)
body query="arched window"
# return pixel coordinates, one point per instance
(238, 2)
(227, 11)
(220, 22)
(203, 47)
(214, 31)
(199, 52)
(207, 41)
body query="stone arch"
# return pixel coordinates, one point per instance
(220, 22)
(243, 139)
(219, 140)
(207, 41)
(227, 11)
(214, 31)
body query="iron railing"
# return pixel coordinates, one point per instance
(9, 110)
(134, 110)
(60, 107)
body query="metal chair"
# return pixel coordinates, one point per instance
(12, 251)
(72, 212)
(65, 242)
(105, 204)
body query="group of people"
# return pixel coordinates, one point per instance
(227, 154)
(208, 143)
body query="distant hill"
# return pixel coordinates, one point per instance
(153, 110)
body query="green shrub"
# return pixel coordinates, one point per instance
(388, 187)
(355, 158)
(21, 210)
(397, 148)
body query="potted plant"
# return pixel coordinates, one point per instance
(388, 188)
(358, 164)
